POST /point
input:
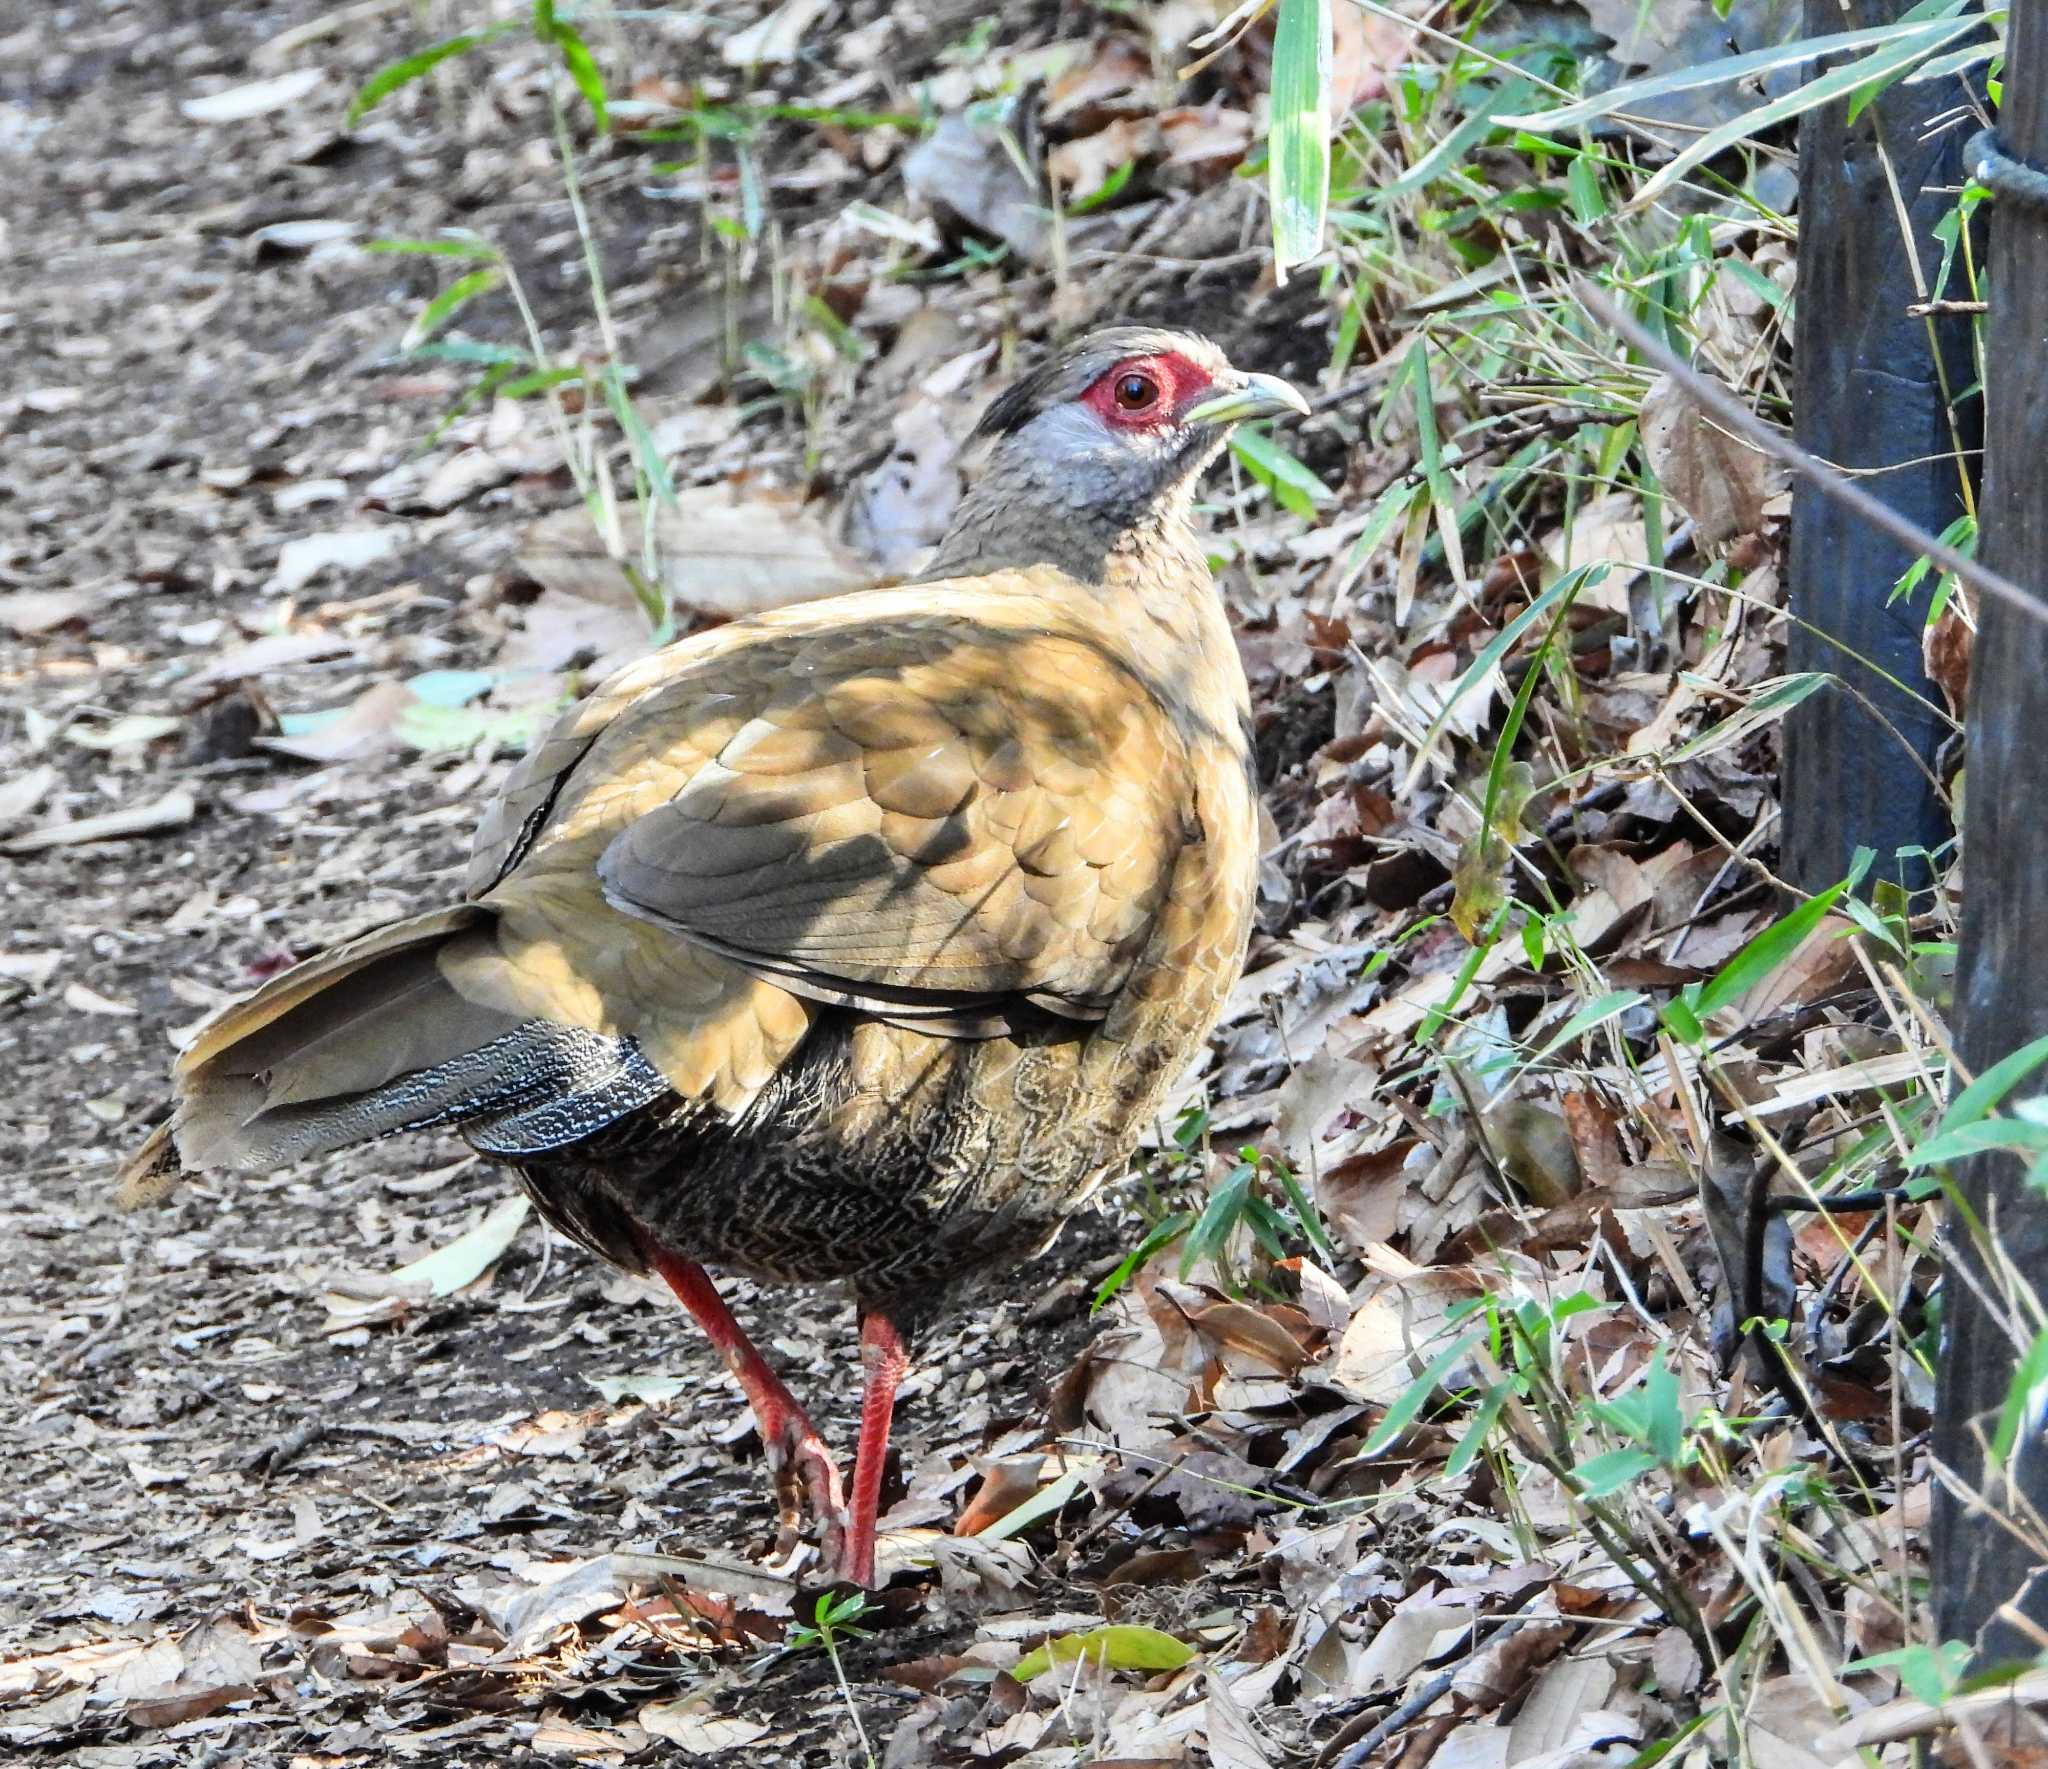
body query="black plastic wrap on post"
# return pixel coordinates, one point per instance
(1870, 396)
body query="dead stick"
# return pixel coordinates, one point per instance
(1726, 410)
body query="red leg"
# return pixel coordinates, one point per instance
(884, 1360)
(797, 1459)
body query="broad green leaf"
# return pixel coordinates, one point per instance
(1298, 140)
(1682, 1022)
(1415, 1397)
(1122, 1646)
(1281, 470)
(1765, 953)
(1610, 1473)
(1219, 1216)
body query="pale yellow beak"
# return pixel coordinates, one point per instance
(1256, 396)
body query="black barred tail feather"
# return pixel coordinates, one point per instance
(368, 1039)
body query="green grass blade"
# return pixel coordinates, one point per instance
(444, 306)
(393, 75)
(1631, 93)
(1298, 144)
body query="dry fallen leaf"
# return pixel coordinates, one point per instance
(29, 612)
(256, 99)
(698, 1734)
(1718, 480)
(80, 999)
(20, 796)
(964, 169)
(173, 811)
(777, 36)
(720, 552)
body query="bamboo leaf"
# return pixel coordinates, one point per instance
(1298, 140)
(1632, 93)
(1836, 83)
(1765, 953)
(582, 66)
(444, 306)
(393, 75)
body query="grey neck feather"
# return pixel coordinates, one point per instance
(1060, 491)
(1120, 526)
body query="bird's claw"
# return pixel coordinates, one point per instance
(806, 1483)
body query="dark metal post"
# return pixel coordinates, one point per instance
(1869, 395)
(2002, 975)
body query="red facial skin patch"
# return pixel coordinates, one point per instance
(1179, 383)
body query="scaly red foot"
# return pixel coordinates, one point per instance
(805, 1478)
(799, 1465)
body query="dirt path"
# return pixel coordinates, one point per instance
(242, 1518)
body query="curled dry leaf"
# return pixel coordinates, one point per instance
(1718, 480)
(1240, 1327)
(1946, 645)
(964, 169)
(20, 796)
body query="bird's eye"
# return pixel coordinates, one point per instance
(1135, 392)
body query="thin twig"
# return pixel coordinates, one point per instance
(1726, 410)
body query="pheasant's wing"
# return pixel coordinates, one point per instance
(922, 817)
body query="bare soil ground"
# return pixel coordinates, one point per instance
(190, 1438)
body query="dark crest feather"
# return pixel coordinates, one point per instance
(1068, 373)
(1017, 404)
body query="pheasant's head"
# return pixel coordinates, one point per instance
(1101, 444)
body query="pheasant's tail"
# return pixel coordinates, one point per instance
(371, 1037)
(358, 1041)
(150, 1173)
